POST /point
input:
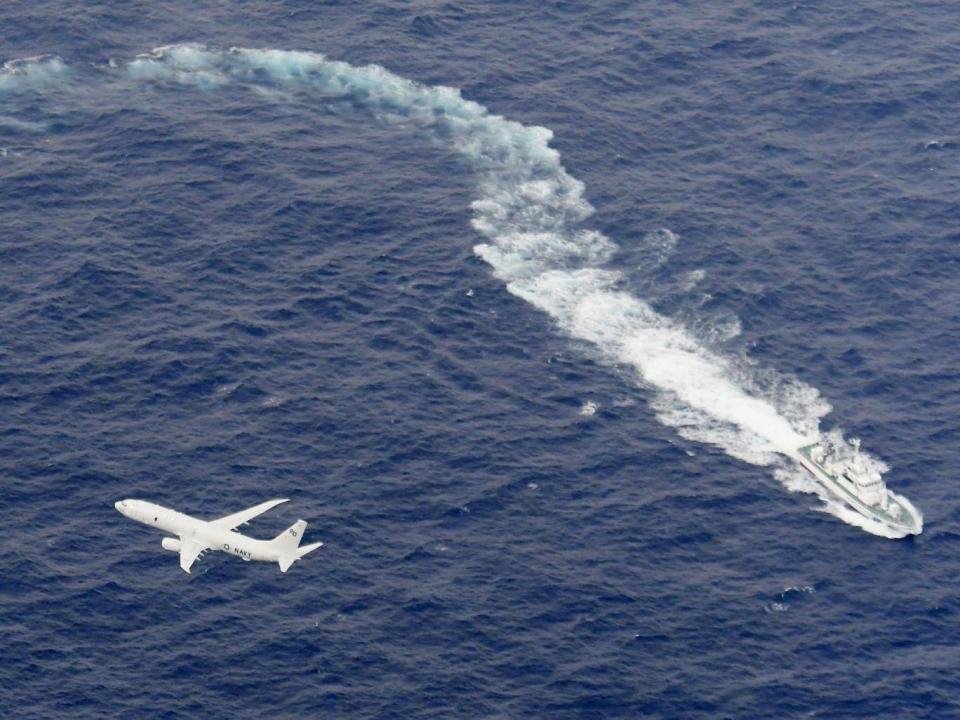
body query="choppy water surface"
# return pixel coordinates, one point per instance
(519, 306)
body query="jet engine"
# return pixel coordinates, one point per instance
(171, 544)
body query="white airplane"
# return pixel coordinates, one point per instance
(197, 536)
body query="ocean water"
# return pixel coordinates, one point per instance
(517, 303)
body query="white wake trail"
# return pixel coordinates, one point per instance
(32, 73)
(531, 214)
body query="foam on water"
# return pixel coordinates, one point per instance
(693, 278)
(530, 212)
(658, 246)
(31, 73)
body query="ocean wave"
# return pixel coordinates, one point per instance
(531, 214)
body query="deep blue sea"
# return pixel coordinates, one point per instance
(516, 302)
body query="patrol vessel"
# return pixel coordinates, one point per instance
(843, 471)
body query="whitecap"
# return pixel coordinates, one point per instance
(32, 73)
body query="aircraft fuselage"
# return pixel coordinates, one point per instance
(194, 536)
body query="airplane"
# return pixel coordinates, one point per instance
(197, 536)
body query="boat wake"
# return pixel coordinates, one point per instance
(531, 215)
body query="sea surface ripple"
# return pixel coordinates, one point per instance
(516, 303)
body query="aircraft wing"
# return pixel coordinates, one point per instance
(189, 551)
(229, 522)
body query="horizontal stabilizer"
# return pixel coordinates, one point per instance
(287, 560)
(303, 550)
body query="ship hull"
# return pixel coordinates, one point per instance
(907, 521)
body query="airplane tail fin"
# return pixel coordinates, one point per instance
(288, 542)
(290, 538)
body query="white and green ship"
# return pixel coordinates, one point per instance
(850, 479)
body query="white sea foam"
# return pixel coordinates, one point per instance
(724, 328)
(692, 279)
(31, 73)
(530, 212)
(658, 245)
(187, 64)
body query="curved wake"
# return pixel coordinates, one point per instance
(530, 212)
